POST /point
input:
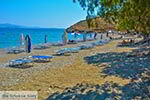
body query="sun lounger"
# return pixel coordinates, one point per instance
(99, 43)
(15, 51)
(67, 50)
(60, 52)
(72, 50)
(42, 46)
(19, 62)
(79, 41)
(86, 46)
(41, 58)
(72, 42)
(75, 50)
(90, 39)
(105, 41)
(58, 44)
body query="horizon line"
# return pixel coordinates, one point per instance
(28, 26)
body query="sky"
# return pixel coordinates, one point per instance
(41, 13)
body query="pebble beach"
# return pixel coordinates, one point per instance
(63, 73)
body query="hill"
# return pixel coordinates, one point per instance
(96, 25)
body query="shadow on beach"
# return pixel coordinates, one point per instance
(107, 91)
(124, 65)
(21, 66)
(141, 43)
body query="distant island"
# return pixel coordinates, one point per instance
(7, 25)
(14, 26)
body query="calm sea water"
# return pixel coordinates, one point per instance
(11, 37)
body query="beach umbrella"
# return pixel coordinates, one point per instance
(62, 37)
(21, 39)
(72, 33)
(45, 39)
(28, 44)
(75, 35)
(90, 35)
(79, 34)
(95, 35)
(84, 37)
(65, 37)
(101, 36)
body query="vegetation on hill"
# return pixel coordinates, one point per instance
(95, 25)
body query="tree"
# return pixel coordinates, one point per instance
(101, 8)
(126, 14)
(135, 15)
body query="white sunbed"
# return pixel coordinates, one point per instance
(15, 50)
(41, 58)
(19, 62)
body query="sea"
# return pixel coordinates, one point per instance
(10, 37)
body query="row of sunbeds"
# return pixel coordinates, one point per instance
(42, 58)
(30, 59)
(81, 47)
(18, 50)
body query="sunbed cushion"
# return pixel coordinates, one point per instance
(42, 57)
